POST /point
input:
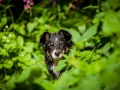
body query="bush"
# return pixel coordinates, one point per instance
(93, 63)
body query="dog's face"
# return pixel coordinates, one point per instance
(56, 44)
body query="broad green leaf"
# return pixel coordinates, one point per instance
(8, 64)
(105, 49)
(16, 26)
(51, 18)
(96, 20)
(7, 77)
(1, 66)
(11, 35)
(10, 46)
(20, 40)
(72, 52)
(75, 71)
(76, 36)
(90, 32)
(27, 56)
(3, 22)
(95, 57)
(20, 64)
(36, 56)
(19, 29)
(27, 63)
(80, 45)
(11, 83)
(100, 15)
(82, 28)
(3, 52)
(44, 17)
(28, 49)
(10, 27)
(61, 64)
(111, 23)
(30, 44)
(87, 58)
(85, 53)
(32, 61)
(31, 26)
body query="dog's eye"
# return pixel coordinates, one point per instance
(52, 44)
(61, 42)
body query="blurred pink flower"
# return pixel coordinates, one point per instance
(0, 1)
(73, 7)
(28, 4)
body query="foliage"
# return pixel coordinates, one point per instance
(94, 60)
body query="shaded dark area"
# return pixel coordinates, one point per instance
(18, 6)
(93, 62)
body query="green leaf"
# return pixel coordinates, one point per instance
(76, 36)
(19, 29)
(100, 15)
(7, 77)
(3, 22)
(31, 26)
(105, 49)
(61, 64)
(91, 7)
(16, 26)
(44, 17)
(20, 40)
(95, 57)
(8, 64)
(72, 52)
(90, 32)
(11, 83)
(86, 55)
(1, 66)
(10, 27)
(10, 45)
(82, 28)
(80, 45)
(27, 56)
(28, 49)
(20, 64)
(96, 20)
(111, 23)
(35, 56)
(3, 52)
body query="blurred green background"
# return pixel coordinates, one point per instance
(92, 23)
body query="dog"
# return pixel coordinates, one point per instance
(55, 45)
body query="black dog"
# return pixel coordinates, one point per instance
(55, 45)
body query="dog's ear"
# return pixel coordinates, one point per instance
(65, 34)
(44, 37)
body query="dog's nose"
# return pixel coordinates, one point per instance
(57, 53)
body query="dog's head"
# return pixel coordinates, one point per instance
(56, 44)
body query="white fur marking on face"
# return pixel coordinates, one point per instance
(56, 39)
(54, 56)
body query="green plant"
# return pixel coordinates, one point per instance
(22, 58)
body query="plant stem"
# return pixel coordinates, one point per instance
(20, 16)
(30, 14)
(11, 15)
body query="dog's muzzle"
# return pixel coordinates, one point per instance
(56, 54)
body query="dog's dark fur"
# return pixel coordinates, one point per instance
(54, 46)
